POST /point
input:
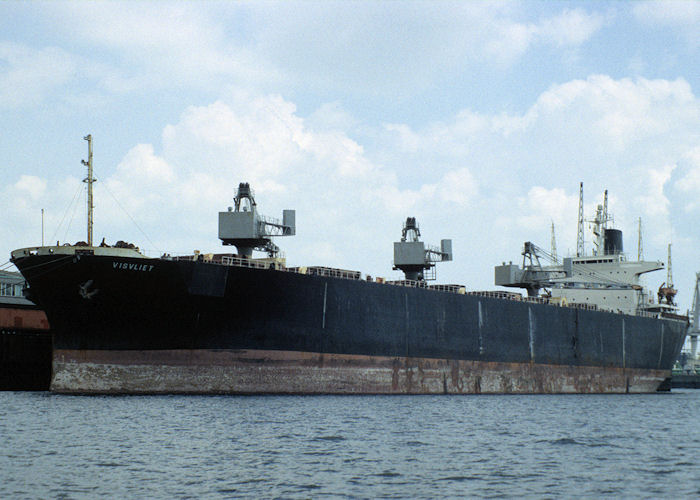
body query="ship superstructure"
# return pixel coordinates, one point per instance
(605, 279)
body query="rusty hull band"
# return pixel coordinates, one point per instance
(288, 372)
(15, 317)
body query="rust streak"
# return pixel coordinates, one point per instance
(287, 372)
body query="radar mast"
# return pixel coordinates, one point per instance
(89, 180)
(640, 248)
(580, 252)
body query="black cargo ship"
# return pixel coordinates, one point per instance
(229, 323)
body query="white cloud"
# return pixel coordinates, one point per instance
(259, 136)
(542, 206)
(197, 45)
(688, 183)
(598, 115)
(617, 113)
(331, 116)
(376, 49)
(599, 118)
(30, 77)
(624, 135)
(27, 74)
(570, 28)
(141, 164)
(680, 15)
(342, 196)
(23, 202)
(474, 168)
(458, 186)
(668, 12)
(510, 39)
(132, 48)
(648, 196)
(31, 185)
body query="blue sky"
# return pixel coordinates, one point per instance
(478, 118)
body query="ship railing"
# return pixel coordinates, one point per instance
(587, 307)
(496, 294)
(333, 272)
(408, 283)
(229, 260)
(536, 300)
(449, 288)
(269, 220)
(330, 272)
(646, 314)
(242, 262)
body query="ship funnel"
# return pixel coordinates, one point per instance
(613, 242)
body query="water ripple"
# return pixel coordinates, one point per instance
(348, 447)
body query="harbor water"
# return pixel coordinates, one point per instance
(564, 446)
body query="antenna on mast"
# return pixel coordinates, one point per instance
(579, 236)
(89, 180)
(667, 292)
(600, 227)
(669, 278)
(605, 210)
(640, 251)
(554, 245)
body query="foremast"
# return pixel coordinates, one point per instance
(89, 180)
(120, 249)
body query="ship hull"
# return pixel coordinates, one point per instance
(125, 325)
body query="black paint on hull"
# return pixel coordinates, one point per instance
(111, 303)
(25, 359)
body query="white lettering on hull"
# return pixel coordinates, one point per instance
(129, 266)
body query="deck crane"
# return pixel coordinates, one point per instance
(248, 230)
(535, 275)
(414, 258)
(666, 291)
